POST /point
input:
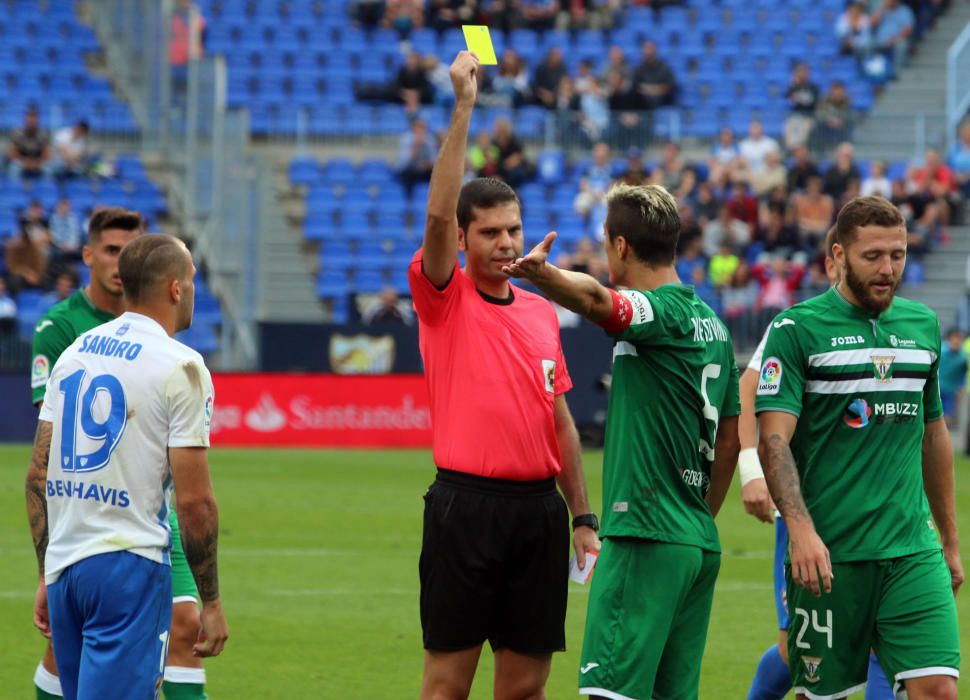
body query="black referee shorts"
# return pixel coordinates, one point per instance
(494, 564)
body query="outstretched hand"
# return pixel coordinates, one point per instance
(532, 265)
(464, 78)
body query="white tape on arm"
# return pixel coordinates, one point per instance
(749, 466)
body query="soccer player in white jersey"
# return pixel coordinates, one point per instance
(772, 679)
(126, 414)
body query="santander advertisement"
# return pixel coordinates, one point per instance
(320, 410)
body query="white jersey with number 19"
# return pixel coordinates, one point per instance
(118, 398)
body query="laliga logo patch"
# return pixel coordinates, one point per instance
(40, 371)
(549, 375)
(857, 414)
(770, 380)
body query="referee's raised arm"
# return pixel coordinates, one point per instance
(441, 230)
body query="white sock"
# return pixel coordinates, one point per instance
(47, 681)
(184, 674)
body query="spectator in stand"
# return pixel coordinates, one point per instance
(66, 232)
(852, 190)
(723, 264)
(484, 156)
(567, 112)
(959, 160)
(513, 166)
(595, 118)
(34, 222)
(803, 167)
(590, 201)
(854, 31)
(704, 289)
(779, 279)
(585, 77)
(512, 82)
(837, 177)
(616, 63)
(705, 204)
(953, 375)
(26, 263)
(442, 15)
(388, 309)
(404, 15)
(690, 230)
(64, 286)
(833, 117)
(894, 22)
(742, 205)
(922, 217)
(738, 300)
(724, 162)
(725, 230)
(691, 257)
(636, 172)
(589, 258)
(547, 77)
(412, 86)
(437, 73)
(816, 281)
(539, 15)
(502, 15)
(8, 312)
(773, 175)
(416, 155)
(814, 212)
(29, 150)
(877, 183)
(653, 80)
(779, 237)
(777, 198)
(756, 146)
(673, 174)
(802, 96)
(625, 113)
(72, 152)
(367, 13)
(186, 42)
(935, 182)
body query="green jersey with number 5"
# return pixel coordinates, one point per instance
(674, 378)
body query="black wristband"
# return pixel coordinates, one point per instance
(587, 520)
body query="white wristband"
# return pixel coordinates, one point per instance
(749, 466)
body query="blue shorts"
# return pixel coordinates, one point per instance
(110, 616)
(949, 401)
(781, 591)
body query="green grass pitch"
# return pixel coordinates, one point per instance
(318, 559)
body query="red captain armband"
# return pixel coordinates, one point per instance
(621, 317)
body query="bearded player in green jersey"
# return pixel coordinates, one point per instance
(671, 448)
(857, 456)
(101, 301)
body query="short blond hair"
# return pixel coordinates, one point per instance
(647, 216)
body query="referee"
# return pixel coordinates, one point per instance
(494, 553)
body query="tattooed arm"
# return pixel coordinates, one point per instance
(36, 491)
(199, 523)
(810, 564)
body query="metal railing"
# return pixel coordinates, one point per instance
(957, 83)
(201, 145)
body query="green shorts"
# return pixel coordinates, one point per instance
(183, 583)
(902, 608)
(646, 625)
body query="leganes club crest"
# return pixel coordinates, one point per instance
(811, 668)
(883, 365)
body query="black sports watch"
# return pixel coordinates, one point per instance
(587, 520)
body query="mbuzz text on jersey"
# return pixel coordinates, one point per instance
(110, 347)
(65, 488)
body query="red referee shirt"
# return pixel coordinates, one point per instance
(493, 371)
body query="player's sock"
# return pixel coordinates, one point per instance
(48, 685)
(181, 683)
(772, 679)
(877, 685)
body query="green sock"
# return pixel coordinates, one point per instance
(184, 691)
(42, 695)
(47, 685)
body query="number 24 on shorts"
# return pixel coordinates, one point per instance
(803, 615)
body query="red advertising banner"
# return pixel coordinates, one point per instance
(321, 410)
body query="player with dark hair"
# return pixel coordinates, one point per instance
(494, 553)
(109, 231)
(772, 679)
(125, 416)
(671, 448)
(857, 456)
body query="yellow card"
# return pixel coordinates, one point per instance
(480, 43)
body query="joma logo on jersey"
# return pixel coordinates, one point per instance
(848, 340)
(883, 365)
(896, 409)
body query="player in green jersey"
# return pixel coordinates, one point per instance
(857, 456)
(671, 447)
(108, 232)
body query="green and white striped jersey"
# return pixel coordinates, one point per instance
(862, 386)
